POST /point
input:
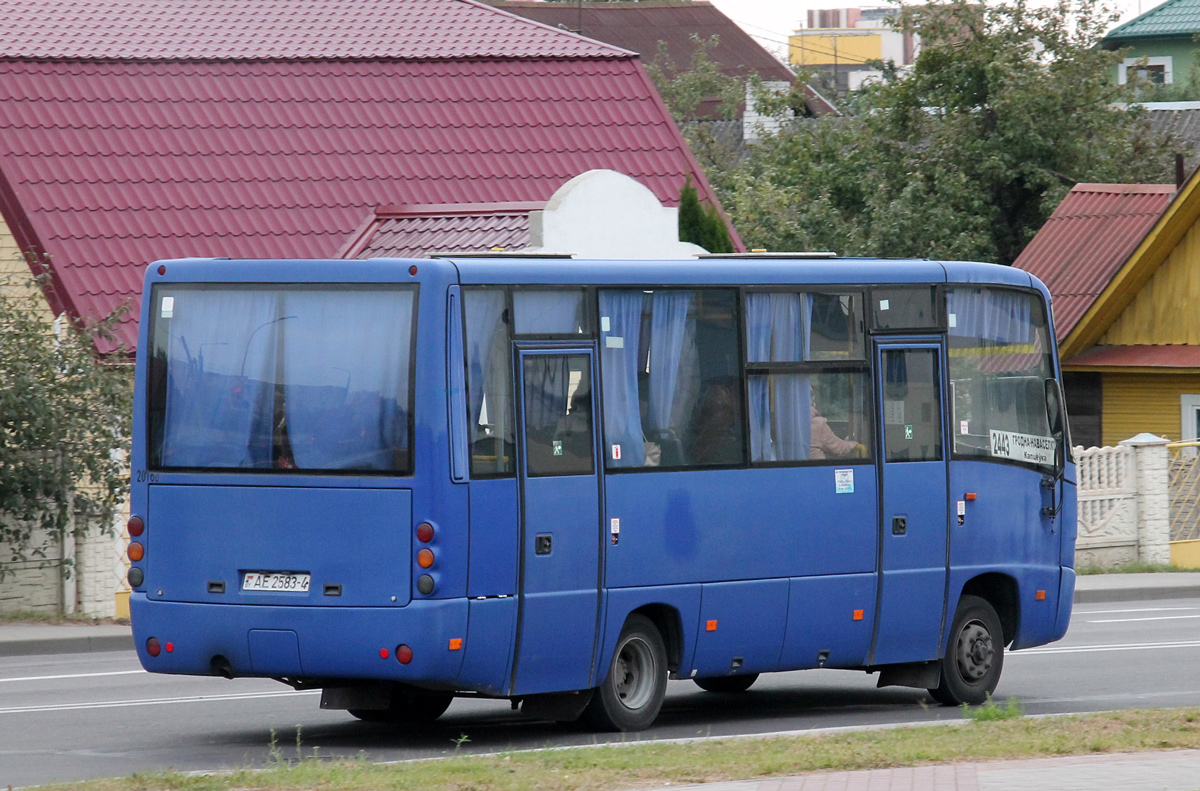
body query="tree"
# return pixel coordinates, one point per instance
(684, 89)
(702, 225)
(64, 422)
(965, 155)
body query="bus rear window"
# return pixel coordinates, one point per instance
(304, 378)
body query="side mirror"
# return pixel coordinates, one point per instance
(1056, 417)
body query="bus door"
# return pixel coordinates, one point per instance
(913, 503)
(560, 520)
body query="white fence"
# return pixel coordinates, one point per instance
(1124, 503)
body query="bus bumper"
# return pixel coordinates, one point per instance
(310, 643)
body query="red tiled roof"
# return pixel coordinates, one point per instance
(111, 165)
(1142, 356)
(258, 29)
(1087, 239)
(640, 26)
(418, 231)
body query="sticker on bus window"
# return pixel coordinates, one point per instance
(893, 413)
(952, 320)
(616, 452)
(605, 325)
(885, 304)
(614, 342)
(1022, 447)
(168, 307)
(963, 427)
(843, 481)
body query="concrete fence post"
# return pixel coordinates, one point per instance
(1153, 498)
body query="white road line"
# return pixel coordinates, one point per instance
(74, 675)
(1084, 649)
(117, 704)
(1079, 611)
(1150, 618)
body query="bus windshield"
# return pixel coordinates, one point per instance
(303, 378)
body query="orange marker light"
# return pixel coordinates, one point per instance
(710, 626)
(136, 551)
(858, 615)
(425, 558)
(970, 496)
(455, 643)
(1040, 595)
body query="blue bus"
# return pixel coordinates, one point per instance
(564, 482)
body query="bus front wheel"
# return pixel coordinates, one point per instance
(633, 691)
(974, 655)
(408, 706)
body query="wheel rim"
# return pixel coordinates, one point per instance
(634, 673)
(974, 653)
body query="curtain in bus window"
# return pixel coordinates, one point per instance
(672, 370)
(346, 369)
(488, 382)
(220, 394)
(990, 315)
(546, 389)
(778, 329)
(620, 330)
(547, 312)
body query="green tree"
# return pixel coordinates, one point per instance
(963, 156)
(702, 225)
(64, 422)
(685, 88)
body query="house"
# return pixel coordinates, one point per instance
(149, 129)
(1120, 262)
(163, 128)
(1160, 44)
(844, 43)
(643, 26)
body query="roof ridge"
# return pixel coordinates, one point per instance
(1146, 15)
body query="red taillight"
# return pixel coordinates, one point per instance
(135, 526)
(153, 647)
(425, 532)
(162, 270)
(403, 654)
(136, 551)
(170, 647)
(425, 558)
(412, 270)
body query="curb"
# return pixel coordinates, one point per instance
(67, 645)
(1110, 595)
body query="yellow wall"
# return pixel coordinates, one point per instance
(820, 49)
(14, 272)
(1133, 403)
(1165, 310)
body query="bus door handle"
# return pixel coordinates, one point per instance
(899, 525)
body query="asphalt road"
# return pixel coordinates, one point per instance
(68, 717)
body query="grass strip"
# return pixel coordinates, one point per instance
(658, 764)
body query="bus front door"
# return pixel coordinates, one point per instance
(560, 522)
(913, 504)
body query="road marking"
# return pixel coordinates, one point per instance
(1084, 649)
(1150, 618)
(1143, 609)
(117, 704)
(74, 675)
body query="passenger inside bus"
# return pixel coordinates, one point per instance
(826, 444)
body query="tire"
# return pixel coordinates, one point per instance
(633, 691)
(974, 655)
(408, 706)
(727, 684)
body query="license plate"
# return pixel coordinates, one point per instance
(282, 582)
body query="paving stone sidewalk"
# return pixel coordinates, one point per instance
(1173, 770)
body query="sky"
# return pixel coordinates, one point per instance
(770, 21)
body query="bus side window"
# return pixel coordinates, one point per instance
(670, 378)
(491, 432)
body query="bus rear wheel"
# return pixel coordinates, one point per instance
(633, 691)
(974, 655)
(408, 706)
(727, 684)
